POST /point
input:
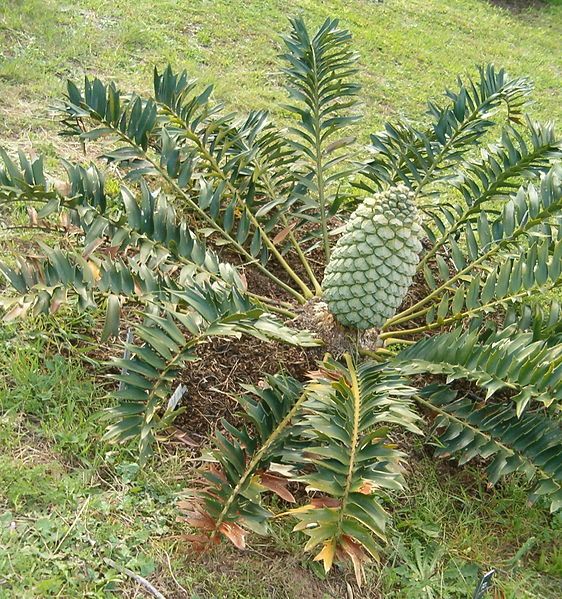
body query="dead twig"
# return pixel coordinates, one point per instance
(78, 516)
(142, 581)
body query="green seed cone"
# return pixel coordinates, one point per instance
(374, 261)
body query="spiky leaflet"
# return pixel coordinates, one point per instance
(374, 261)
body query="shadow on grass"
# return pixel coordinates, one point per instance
(518, 6)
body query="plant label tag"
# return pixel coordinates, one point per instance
(483, 585)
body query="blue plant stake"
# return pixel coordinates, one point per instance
(483, 585)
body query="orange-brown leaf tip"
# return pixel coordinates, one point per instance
(366, 488)
(16, 311)
(64, 220)
(200, 520)
(62, 187)
(327, 555)
(355, 552)
(182, 436)
(185, 505)
(234, 533)
(324, 373)
(319, 502)
(32, 214)
(278, 485)
(199, 543)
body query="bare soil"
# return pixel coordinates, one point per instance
(519, 5)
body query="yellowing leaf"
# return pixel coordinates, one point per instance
(327, 555)
(94, 270)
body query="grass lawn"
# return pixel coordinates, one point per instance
(411, 50)
(74, 511)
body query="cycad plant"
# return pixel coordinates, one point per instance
(426, 265)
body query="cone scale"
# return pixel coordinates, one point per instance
(374, 261)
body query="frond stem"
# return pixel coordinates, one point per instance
(451, 319)
(306, 264)
(356, 393)
(198, 210)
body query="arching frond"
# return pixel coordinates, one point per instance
(422, 156)
(167, 344)
(493, 177)
(322, 94)
(530, 443)
(495, 263)
(217, 194)
(506, 359)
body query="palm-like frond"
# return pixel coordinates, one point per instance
(141, 250)
(496, 262)
(345, 429)
(319, 74)
(144, 225)
(43, 283)
(168, 344)
(249, 159)
(494, 177)
(530, 443)
(230, 501)
(206, 169)
(418, 157)
(506, 359)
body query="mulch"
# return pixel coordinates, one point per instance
(225, 365)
